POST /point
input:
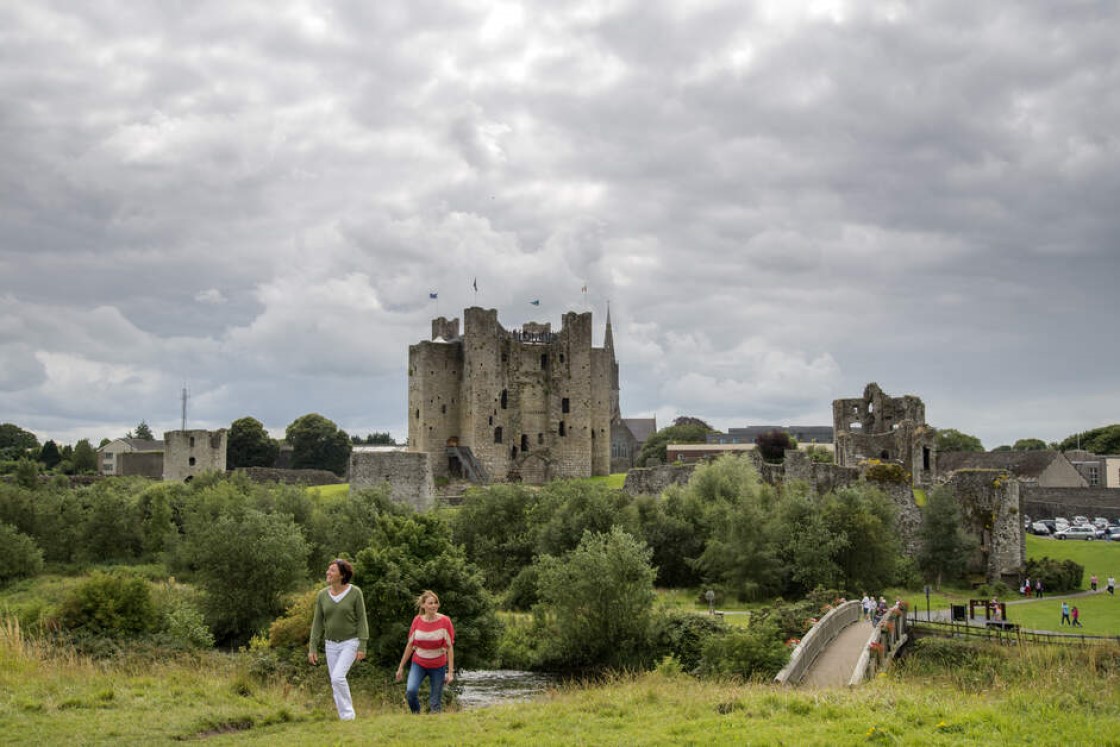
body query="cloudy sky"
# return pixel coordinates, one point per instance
(781, 202)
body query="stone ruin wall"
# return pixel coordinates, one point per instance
(408, 473)
(291, 476)
(188, 454)
(989, 500)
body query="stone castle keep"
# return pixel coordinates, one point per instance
(498, 405)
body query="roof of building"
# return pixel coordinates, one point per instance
(140, 444)
(1019, 463)
(642, 428)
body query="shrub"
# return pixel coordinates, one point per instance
(111, 605)
(180, 618)
(681, 636)
(20, 557)
(756, 653)
(887, 474)
(1057, 575)
(292, 630)
(600, 598)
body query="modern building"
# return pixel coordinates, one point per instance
(1043, 469)
(131, 456)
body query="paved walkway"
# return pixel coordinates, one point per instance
(835, 665)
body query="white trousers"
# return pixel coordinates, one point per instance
(340, 657)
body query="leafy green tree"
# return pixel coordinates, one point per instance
(945, 545)
(1003, 447)
(773, 444)
(689, 431)
(317, 443)
(809, 546)
(249, 445)
(144, 432)
(374, 439)
(565, 509)
(15, 442)
(1030, 444)
(245, 562)
(494, 529)
(20, 557)
(673, 526)
(1103, 440)
(112, 527)
(950, 439)
(407, 555)
(85, 458)
(342, 527)
(27, 473)
(866, 517)
(599, 600)
(49, 455)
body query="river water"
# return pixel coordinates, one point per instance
(486, 687)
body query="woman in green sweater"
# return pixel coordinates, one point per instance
(340, 618)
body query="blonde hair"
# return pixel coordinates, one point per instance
(424, 595)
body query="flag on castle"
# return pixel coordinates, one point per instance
(433, 295)
(475, 284)
(535, 302)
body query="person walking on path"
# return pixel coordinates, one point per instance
(1093, 582)
(1027, 588)
(1038, 588)
(1065, 614)
(866, 604)
(431, 646)
(1111, 585)
(340, 620)
(1076, 615)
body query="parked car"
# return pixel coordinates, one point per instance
(1112, 533)
(1050, 524)
(1085, 533)
(1100, 522)
(1061, 522)
(1080, 520)
(1040, 527)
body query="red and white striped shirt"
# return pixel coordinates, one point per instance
(430, 640)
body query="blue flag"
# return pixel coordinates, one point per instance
(536, 302)
(433, 295)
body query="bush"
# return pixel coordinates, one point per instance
(756, 653)
(110, 605)
(600, 598)
(20, 557)
(887, 474)
(522, 592)
(180, 618)
(292, 630)
(682, 636)
(1057, 575)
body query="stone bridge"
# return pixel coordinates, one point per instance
(844, 649)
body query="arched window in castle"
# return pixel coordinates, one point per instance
(192, 442)
(524, 442)
(417, 413)
(565, 405)
(562, 431)
(498, 435)
(925, 458)
(513, 452)
(490, 420)
(540, 439)
(561, 357)
(191, 461)
(443, 409)
(505, 399)
(884, 454)
(544, 360)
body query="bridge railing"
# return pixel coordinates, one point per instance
(816, 640)
(886, 638)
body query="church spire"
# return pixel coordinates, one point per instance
(608, 338)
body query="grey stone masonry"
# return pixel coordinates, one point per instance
(531, 404)
(409, 474)
(190, 453)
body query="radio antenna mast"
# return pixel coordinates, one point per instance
(184, 407)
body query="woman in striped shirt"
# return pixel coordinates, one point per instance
(431, 641)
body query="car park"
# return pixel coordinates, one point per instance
(1085, 533)
(1040, 527)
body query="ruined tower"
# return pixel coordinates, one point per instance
(507, 405)
(891, 429)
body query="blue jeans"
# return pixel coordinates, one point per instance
(416, 675)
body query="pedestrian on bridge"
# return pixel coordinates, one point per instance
(1065, 614)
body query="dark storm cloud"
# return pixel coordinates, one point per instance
(781, 202)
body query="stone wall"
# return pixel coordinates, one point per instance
(654, 480)
(990, 510)
(1046, 503)
(291, 476)
(141, 463)
(408, 473)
